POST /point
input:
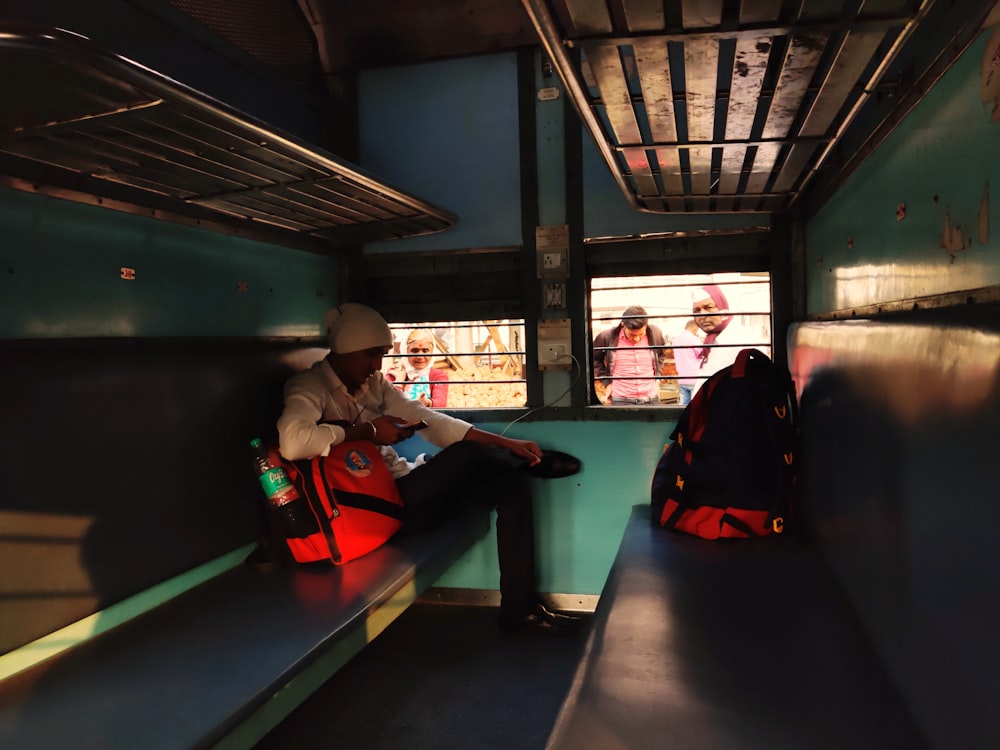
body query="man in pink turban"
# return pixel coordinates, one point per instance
(711, 312)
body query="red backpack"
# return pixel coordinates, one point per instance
(730, 470)
(348, 504)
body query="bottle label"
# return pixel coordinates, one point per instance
(275, 482)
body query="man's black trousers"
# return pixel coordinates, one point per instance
(469, 473)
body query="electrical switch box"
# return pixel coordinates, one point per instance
(552, 247)
(554, 345)
(554, 295)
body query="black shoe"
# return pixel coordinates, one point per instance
(542, 621)
(555, 464)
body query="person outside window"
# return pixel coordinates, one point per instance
(724, 338)
(687, 347)
(628, 357)
(345, 396)
(416, 376)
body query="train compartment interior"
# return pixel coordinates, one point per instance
(186, 186)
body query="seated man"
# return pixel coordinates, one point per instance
(348, 387)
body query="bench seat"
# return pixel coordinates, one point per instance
(223, 663)
(748, 644)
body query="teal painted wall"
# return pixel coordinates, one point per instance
(60, 260)
(580, 519)
(940, 163)
(448, 132)
(550, 145)
(60, 277)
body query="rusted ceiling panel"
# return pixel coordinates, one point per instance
(701, 75)
(729, 106)
(606, 65)
(797, 69)
(590, 17)
(759, 11)
(653, 68)
(701, 62)
(851, 58)
(644, 15)
(798, 159)
(749, 66)
(701, 14)
(77, 114)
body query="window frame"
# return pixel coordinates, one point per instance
(516, 328)
(688, 276)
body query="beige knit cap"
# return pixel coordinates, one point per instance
(352, 327)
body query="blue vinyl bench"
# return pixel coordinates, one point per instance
(223, 663)
(714, 645)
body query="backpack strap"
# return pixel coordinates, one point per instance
(310, 490)
(360, 500)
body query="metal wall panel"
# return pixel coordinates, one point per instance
(916, 224)
(899, 427)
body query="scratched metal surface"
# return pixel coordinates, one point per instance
(900, 424)
(714, 107)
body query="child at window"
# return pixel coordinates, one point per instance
(416, 376)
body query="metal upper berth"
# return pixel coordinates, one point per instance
(79, 121)
(706, 106)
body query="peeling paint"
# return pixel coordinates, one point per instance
(813, 43)
(954, 239)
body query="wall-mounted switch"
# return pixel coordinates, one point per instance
(552, 248)
(554, 345)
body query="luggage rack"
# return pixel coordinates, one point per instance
(85, 124)
(721, 107)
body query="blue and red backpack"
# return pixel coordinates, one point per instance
(730, 470)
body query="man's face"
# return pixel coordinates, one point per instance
(354, 368)
(706, 314)
(634, 334)
(420, 351)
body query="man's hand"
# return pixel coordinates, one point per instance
(527, 449)
(389, 430)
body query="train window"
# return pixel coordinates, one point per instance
(459, 365)
(657, 338)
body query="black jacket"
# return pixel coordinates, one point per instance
(604, 358)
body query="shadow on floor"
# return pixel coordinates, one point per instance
(440, 677)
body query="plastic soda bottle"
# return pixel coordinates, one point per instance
(273, 478)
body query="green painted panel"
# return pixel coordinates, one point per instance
(60, 276)
(939, 163)
(580, 519)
